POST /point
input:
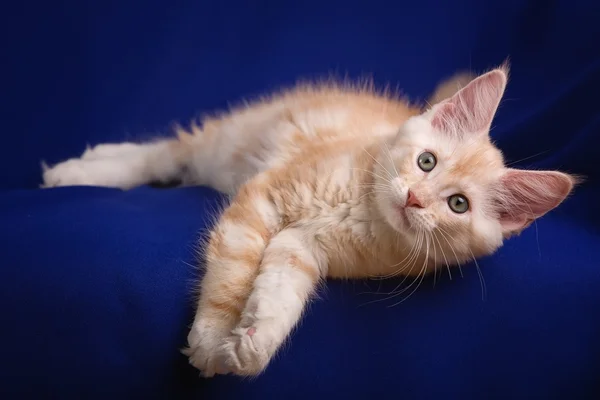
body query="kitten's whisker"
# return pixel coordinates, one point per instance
(537, 232)
(413, 257)
(391, 159)
(457, 260)
(526, 158)
(386, 184)
(412, 263)
(421, 275)
(376, 185)
(373, 174)
(481, 278)
(434, 262)
(411, 254)
(390, 176)
(443, 254)
(413, 249)
(447, 264)
(386, 192)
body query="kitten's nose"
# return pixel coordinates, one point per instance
(412, 200)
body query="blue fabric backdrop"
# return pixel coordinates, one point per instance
(95, 283)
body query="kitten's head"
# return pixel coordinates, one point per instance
(449, 181)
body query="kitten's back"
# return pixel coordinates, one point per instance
(272, 131)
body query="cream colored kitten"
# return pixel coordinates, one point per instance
(329, 181)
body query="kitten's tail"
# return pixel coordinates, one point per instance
(448, 87)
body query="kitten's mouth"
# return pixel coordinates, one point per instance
(401, 213)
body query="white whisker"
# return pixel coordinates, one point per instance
(391, 159)
(390, 176)
(444, 233)
(443, 254)
(421, 274)
(373, 174)
(481, 279)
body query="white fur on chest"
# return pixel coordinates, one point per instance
(337, 213)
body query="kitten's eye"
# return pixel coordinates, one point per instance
(426, 161)
(458, 203)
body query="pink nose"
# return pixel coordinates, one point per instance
(412, 200)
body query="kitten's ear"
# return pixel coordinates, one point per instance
(527, 195)
(473, 107)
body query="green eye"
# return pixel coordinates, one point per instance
(426, 161)
(458, 203)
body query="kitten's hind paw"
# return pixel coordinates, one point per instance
(109, 172)
(109, 150)
(73, 172)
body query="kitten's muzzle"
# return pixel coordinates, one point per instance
(412, 200)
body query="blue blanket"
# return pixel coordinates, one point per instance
(96, 284)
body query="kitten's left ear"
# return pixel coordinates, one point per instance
(472, 108)
(525, 196)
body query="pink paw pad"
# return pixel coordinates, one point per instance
(251, 331)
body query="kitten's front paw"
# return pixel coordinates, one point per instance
(248, 351)
(202, 351)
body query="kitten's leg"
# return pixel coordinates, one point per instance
(107, 150)
(123, 165)
(289, 273)
(233, 257)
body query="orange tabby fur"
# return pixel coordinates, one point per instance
(319, 177)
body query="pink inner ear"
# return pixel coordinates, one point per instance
(447, 117)
(472, 108)
(529, 195)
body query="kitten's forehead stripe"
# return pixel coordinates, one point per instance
(479, 161)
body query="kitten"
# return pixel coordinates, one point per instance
(330, 181)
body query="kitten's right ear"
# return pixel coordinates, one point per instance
(472, 108)
(526, 195)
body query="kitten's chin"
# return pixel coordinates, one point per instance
(397, 219)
